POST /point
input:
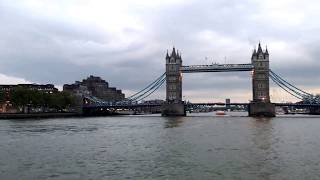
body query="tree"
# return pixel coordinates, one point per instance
(19, 96)
(2, 96)
(22, 97)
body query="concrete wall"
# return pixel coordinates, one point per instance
(176, 109)
(315, 110)
(262, 109)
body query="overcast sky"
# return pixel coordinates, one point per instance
(124, 42)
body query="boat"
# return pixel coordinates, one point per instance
(220, 113)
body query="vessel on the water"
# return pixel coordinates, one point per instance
(220, 113)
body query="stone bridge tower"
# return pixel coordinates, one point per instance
(260, 75)
(174, 105)
(260, 105)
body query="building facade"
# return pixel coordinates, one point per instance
(48, 88)
(5, 104)
(260, 75)
(97, 87)
(174, 105)
(173, 77)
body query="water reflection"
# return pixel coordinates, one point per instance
(265, 157)
(173, 122)
(261, 132)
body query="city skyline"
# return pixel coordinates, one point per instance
(60, 42)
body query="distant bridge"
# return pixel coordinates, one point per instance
(247, 104)
(141, 105)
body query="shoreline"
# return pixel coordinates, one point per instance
(5, 116)
(9, 116)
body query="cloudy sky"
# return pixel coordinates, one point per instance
(124, 42)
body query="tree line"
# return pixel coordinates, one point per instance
(21, 97)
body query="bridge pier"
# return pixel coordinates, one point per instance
(265, 109)
(173, 109)
(314, 111)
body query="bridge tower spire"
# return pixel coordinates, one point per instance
(260, 104)
(174, 105)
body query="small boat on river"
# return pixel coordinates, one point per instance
(220, 113)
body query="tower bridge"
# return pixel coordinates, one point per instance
(260, 105)
(259, 65)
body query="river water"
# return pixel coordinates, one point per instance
(200, 146)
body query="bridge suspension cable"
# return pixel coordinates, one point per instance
(289, 84)
(147, 87)
(284, 88)
(150, 90)
(141, 95)
(293, 90)
(284, 85)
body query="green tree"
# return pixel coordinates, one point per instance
(67, 99)
(2, 96)
(19, 96)
(22, 97)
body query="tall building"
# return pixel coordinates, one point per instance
(174, 77)
(228, 101)
(97, 87)
(260, 76)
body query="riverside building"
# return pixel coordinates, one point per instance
(97, 87)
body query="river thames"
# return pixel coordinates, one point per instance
(200, 146)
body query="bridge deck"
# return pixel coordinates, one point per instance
(216, 68)
(194, 104)
(245, 104)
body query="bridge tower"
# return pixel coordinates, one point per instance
(260, 104)
(174, 105)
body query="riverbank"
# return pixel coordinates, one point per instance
(36, 115)
(4, 116)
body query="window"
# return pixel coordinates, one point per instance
(261, 85)
(172, 78)
(260, 93)
(261, 76)
(172, 96)
(172, 87)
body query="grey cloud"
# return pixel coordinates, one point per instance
(49, 50)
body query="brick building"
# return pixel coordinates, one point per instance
(6, 106)
(48, 88)
(97, 87)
